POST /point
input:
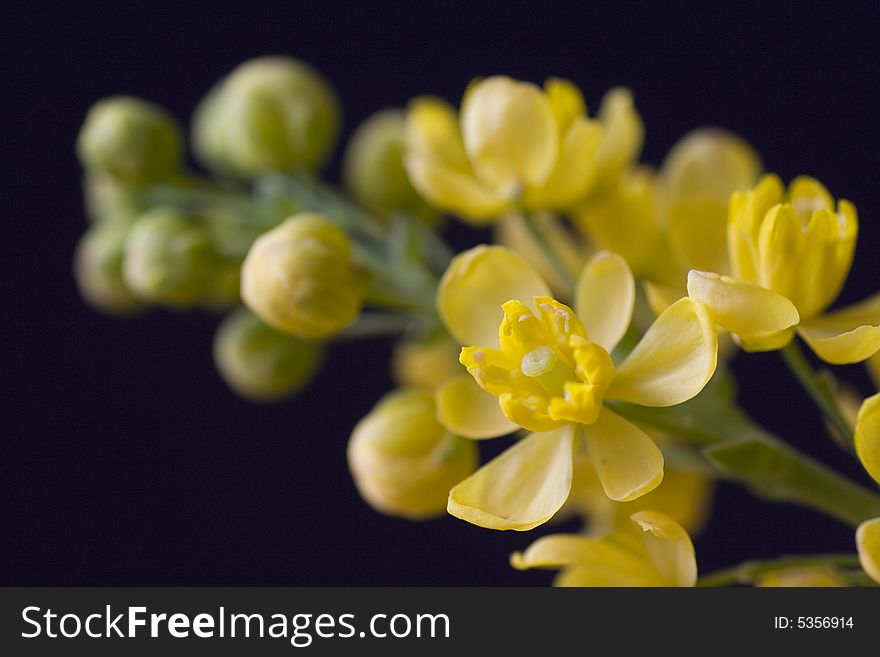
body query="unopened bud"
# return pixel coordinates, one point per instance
(98, 269)
(269, 114)
(130, 140)
(404, 462)
(373, 167)
(300, 278)
(170, 259)
(261, 363)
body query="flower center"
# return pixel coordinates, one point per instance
(546, 371)
(543, 365)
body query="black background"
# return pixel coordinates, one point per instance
(125, 460)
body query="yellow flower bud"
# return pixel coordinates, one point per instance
(300, 278)
(402, 459)
(98, 269)
(170, 260)
(269, 114)
(131, 140)
(261, 363)
(373, 167)
(426, 364)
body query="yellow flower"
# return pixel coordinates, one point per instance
(652, 550)
(300, 278)
(812, 576)
(403, 461)
(516, 146)
(549, 371)
(790, 254)
(867, 443)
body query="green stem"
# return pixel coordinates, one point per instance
(535, 230)
(375, 325)
(743, 451)
(818, 391)
(748, 571)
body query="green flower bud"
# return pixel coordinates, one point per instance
(97, 268)
(373, 167)
(170, 259)
(269, 114)
(131, 140)
(403, 461)
(260, 363)
(300, 278)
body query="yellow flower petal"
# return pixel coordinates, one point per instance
(509, 133)
(697, 231)
(868, 545)
(626, 459)
(520, 489)
(673, 361)
(746, 213)
(624, 132)
(466, 409)
(842, 348)
(597, 559)
(741, 307)
(573, 173)
(764, 341)
(867, 438)
(625, 208)
(475, 286)
(604, 577)
(849, 335)
(566, 102)
(604, 298)
(710, 163)
(452, 190)
(432, 131)
(669, 547)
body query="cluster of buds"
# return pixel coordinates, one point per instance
(593, 337)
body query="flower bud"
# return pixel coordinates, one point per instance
(98, 269)
(269, 114)
(426, 364)
(131, 140)
(402, 459)
(170, 259)
(300, 278)
(260, 363)
(373, 166)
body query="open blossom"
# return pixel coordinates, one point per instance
(791, 253)
(515, 145)
(650, 550)
(549, 371)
